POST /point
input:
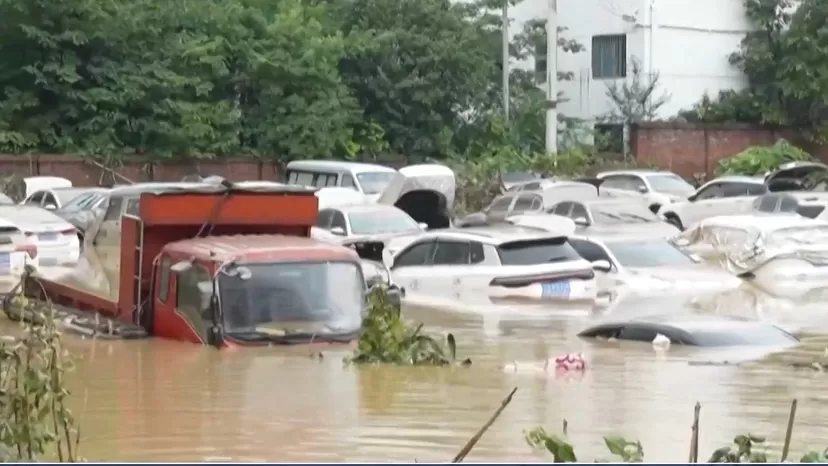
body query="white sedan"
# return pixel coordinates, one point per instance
(648, 264)
(500, 262)
(56, 239)
(16, 250)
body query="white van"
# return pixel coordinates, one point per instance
(366, 178)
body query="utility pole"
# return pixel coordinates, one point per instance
(552, 77)
(505, 51)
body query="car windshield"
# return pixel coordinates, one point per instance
(81, 202)
(670, 183)
(750, 335)
(378, 222)
(67, 195)
(534, 252)
(284, 301)
(375, 182)
(648, 254)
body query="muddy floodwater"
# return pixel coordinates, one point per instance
(160, 400)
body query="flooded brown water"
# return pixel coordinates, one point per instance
(158, 400)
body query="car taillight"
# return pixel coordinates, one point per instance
(27, 247)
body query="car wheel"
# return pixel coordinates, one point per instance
(672, 219)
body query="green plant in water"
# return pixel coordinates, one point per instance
(815, 457)
(757, 160)
(33, 394)
(630, 452)
(742, 451)
(388, 339)
(561, 450)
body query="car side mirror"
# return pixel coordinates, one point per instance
(601, 265)
(581, 221)
(339, 231)
(423, 226)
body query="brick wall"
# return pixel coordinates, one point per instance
(84, 173)
(690, 149)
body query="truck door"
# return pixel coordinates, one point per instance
(107, 240)
(191, 322)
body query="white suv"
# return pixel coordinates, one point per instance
(658, 187)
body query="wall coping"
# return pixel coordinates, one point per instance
(685, 125)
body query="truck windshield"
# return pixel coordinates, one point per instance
(287, 302)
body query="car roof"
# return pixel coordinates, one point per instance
(494, 234)
(631, 233)
(354, 167)
(690, 323)
(738, 179)
(365, 207)
(636, 171)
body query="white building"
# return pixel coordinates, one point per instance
(687, 42)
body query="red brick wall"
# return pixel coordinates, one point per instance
(690, 149)
(83, 173)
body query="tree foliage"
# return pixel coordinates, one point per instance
(783, 58)
(281, 79)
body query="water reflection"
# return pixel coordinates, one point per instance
(160, 400)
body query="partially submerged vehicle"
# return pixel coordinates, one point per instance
(425, 192)
(693, 330)
(610, 215)
(647, 264)
(659, 187)
(56, 239)
(56, 198)
(366, 178)
(522, 202)
(732, 195)
(805, 203)
(771, 251)
(217, 265)
(505, 261)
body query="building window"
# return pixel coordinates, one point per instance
(609, 138)
(540, 59)
(609, 56)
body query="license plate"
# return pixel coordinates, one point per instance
(5, 262)
(47, 236)
(557, 289)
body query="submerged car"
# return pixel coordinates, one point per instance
(499, 261)
(522, 202)
(56, 198)
(648, 264)
(56, 239)
(657, 186)
(805, 203)
(732, 195)
(610, 215)
(359, 221)
(693, 330)
(771, 251)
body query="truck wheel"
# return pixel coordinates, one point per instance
(672, 219)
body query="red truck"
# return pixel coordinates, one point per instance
(222, 266)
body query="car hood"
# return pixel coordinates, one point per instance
(697, 276)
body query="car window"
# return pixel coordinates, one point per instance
(637, 333)
(325, 218)
(711, 191)
(451, 253)
(534, 186)
(339, 221)
(164, 279)
(536, 251)
(36, 198)
(561, 208)
(755, 189)
(788, 204)
(501, 203)
(324, 180)
(670, 183)
(113, 212)
(132, 206)
(523, 202)
(381, 222)
(578, 211)
(766, 203)
(49, 199)
(589, 250)
(418, 254)
(348, 181)
(476, 254)
(301, 178)
(537, 204)
(614, 181)
(648, 253)
(737, 189)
